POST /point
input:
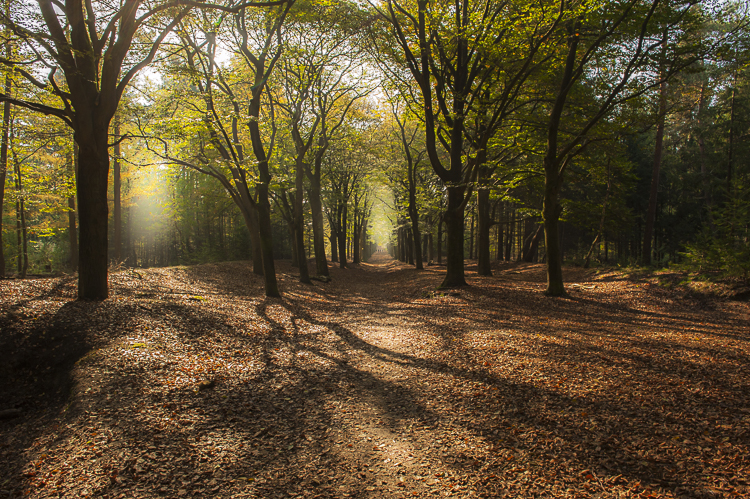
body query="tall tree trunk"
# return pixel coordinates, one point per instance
(440, 240)
(648, 232)
(702, 147)
(4, 159)
(319, 243)
(72, 229)
(299, 225)
(454, 222)
(500, 230)
(431, 248)
(91, 192)
(266, 241)
(484, 266)
(253, 226)
(21, 232)
(344, 212)
(531, 252)
(116, 185)
(471, 234)
(334, 244)
(530, 237)
(730, 158)
(509, 240)
(415, 236)
(551, 215)
(295, 252)
(601, 224)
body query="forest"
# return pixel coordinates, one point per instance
(383, 248)
(612, 133)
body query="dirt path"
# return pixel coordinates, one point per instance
(188, 383)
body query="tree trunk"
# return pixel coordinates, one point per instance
(730, 156)
(21, 232)
(500, 230)
(440, 240)
(509, 239)
(251, 221)
(648, 232)
(299, 225)
(415, 236)
(601, 226)
(4, 159)
(471, 235)
(342, 236)
(334, 245)
(454, 222)
(72, 230)
(266, 241)
(431, 248)
(293, 238)
(533, 249)
(702, 147)
(551, 216)
(116, 186)
(530, 237)
(484, 266)
(319, 243)
(93, 170)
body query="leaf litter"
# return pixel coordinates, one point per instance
(187, 382)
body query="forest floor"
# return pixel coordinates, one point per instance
(188, 382)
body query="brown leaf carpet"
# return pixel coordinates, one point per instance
(187, 382)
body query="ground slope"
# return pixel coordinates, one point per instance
(189, 383)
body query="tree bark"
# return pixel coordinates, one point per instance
(648, 232)
(116, 186)
(509, 240)
(601, 226)
(91, 192)
(72, 230)
(440, 239)
(551, 211)
(500, 229)
(21, 232)
(343, 214)
(484, 266)
(299, 225)
(454, 222)
(4, 159)
(416, 238)
(319, 243)
(334, 245)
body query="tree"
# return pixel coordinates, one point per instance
(224, 99)
(625, 41)
(98, 48)
(455, 54)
